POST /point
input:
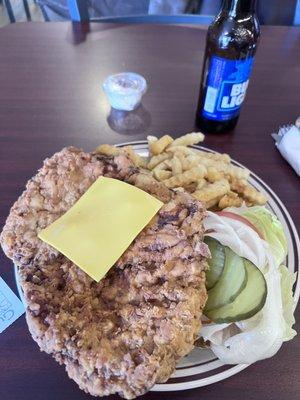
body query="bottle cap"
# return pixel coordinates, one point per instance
(125, 90)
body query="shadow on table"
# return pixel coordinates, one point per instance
(129, 122)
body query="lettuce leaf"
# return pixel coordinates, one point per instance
(262, 335)
(288, 304)
(271, 229)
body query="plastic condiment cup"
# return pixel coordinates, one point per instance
(125, 90)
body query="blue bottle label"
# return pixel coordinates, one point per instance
(227, 83)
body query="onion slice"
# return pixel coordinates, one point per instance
(237, 217)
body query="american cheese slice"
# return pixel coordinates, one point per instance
(97, 230)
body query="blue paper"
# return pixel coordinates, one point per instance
(11, 307)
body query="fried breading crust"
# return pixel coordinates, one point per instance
(125, 333)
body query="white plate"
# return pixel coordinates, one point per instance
(201, 367)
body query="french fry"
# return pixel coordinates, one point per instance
(188, 140)
(191, 187)
(213, 175)
(210, 177)
(180, 156)
(215, 156)
(178, 189)
(134, 157)
(107, 150)
(238, 185)
(155, 160)
(163, 165)
(185, 161)
(237, 172)
(180, 149)
(151, 140)
(224, 158)
(252, 195)
(212, 203)
(232, 171)
(212, 191)
(201, 183)
(162, 174)
(230, 199)
(176, 166)
(192, 175)
(158, 146)
(221, 157)
(190, 161)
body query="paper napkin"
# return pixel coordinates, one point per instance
(288, 143)
(11, 307)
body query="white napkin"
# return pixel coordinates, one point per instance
(288, 143)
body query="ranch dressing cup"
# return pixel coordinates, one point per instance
(125, 90)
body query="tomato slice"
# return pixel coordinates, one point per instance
(237, 217)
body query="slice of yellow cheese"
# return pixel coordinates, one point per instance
(97, 230)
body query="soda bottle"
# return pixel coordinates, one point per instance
(231, 44)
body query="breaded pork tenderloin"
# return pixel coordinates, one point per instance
(125, 333)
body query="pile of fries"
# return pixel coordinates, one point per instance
(210, 177)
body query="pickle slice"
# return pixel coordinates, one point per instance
(249, 302)
(231, 282)
(216, 262)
